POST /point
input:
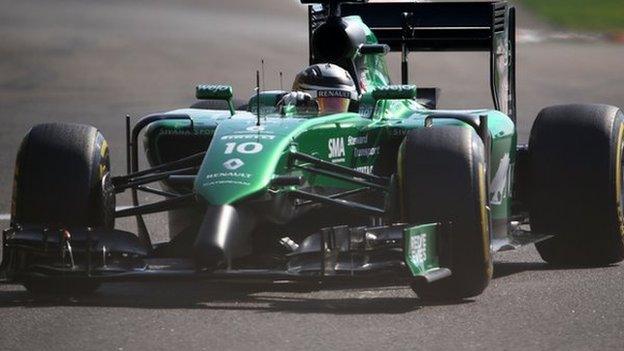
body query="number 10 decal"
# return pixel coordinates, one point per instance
(244, 148)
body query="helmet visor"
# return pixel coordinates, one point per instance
(333, 101)
(330, 105)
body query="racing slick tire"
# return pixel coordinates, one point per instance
(576, 180)
(62, 179)
(443, 179)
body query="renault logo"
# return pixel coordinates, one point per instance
(233, 164)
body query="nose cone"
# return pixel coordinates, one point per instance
(221, 238)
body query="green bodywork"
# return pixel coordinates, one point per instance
(244, 157)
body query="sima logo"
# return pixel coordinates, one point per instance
(336, 147)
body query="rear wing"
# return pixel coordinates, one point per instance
(444, 26)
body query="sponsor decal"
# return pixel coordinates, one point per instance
(399, 132)
(236, 178)
(255, 129)
(365, 169)
(233, 164)
(248, 136)
(353, 141)
(231, 182)
(186, 131)
(258, 129)
(228, 175)
(221, 91)
(336, 148)
(499, 189)
(418, 249)
(345, 94)
(371, 151)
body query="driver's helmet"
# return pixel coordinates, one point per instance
(330, 85)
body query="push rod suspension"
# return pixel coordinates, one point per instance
(153, 178)
(165, 205)
(345, 178)
(339, 195)
(370, 210)
(162, 167)
(157, 191)
(321, 164)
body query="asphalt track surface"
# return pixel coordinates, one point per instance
(94, 61)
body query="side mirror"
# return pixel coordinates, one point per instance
(216, 92)
(395, 92)
(392, 92)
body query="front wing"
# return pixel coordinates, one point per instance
(397, 254)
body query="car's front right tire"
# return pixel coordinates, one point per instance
(62, 180)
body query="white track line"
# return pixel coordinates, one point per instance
(539, 36)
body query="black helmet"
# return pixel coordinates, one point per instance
(331, 86)
(326, 77)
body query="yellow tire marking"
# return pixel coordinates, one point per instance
(103, 152)
(618, 178)
(103, 148)
(484, 218)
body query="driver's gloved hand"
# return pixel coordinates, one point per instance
(296, 98)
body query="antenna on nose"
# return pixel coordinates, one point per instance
(258, 97)
(281, 76)
(262, 68)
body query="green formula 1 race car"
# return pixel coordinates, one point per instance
(346, 179)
